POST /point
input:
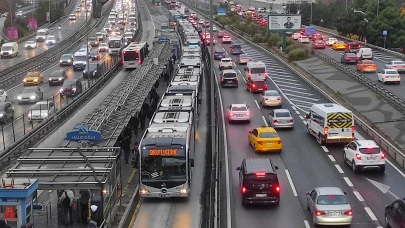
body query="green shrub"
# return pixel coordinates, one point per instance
(224, 20)
(2, 42)
(293, 47)
(259, 39)
(289, 41)
(273, 40)
(297, 55)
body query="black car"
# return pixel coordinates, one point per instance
(57, 77)
(93, 41)
(94, 55)
(229, 78)
(349, 58)
(352, 47)
(395, 214)
(92, 71)
(71, 88)
(259, 182)
(6, 112)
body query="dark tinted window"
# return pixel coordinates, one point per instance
(391, 72)
(369, 150)
(351, 55)
(268, 135)
(241, 108)
(237, 46)
(332, 200)
(130, 55)
(229, 75)
(69, 83)
(114, 43)
(29, 90)
(93, 66)
(259, 82)
(283, 114)
(268, 179)
(57, 74)
(257, 70)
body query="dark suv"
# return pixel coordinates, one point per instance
(229, 78)
(395, 214)
(258, 182)
(352, 47)
(219, 53)
(71, 87)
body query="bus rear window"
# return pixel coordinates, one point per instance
(257, 70)
(130, 56)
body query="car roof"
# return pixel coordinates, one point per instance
(366, 143)
(236, 105)
(226, 59)
(229, 71)
(330, 191)
(254, 165)
(281, 110)
(266, 129)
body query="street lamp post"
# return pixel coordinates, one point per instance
(49, 11)
(310, 20)
(87, 56)
(11, 19)
(378, 7)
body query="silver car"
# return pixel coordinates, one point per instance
(238, 112)
(281, 118)
(243, 59)
(270, 98)
(329, 206)
(30, 94)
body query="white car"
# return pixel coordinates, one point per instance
(364, 155)
(78, 9)
(194, 15)
(389, 76)
(296, 35)
(303, 39)
(103, 47)
(201, 21)
(281, 118)
(225, 63)
(238, 112)
(31, 44)
(41, 111)
(50, 40)
(19, 13)
(398, 65)
(214, 28)
(270, 98)
(226, 39)
(331, 41)
(72, 17)
(3, 95)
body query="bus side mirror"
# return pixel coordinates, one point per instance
(238, 168)
(192, 163)
(199, 101)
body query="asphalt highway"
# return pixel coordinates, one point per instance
(68, 27)
(380, 59)
(308, 164)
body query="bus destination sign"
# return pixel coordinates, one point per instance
(163, 152)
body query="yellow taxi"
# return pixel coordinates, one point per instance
(33, 78)
(339, 45)
(264, 139)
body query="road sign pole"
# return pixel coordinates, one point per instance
(284, 41)
(385, 40)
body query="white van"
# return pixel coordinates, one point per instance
(9, 50)
(365, 53)
(330, 123)
(41, 35)
(255, 70)
(79, 60)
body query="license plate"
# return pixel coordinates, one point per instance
(270, 143)
(334, 213)
(261, 195)
(164, 195)
(240, 115)
(282, 122)
(371, 158)
(260, 89)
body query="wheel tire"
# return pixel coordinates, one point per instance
(387, 223)
(355, 167)
(319, 139)
(382, 169)
(344, 157)
(308, 131)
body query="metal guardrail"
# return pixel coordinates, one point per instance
(391, 148)
(329, 32)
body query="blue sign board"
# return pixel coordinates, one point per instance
(221, 11)
(164, 40)
(82, 133)
(385, 32)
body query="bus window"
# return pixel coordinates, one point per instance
(131, 55)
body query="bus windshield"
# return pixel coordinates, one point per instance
(158, 165)
(130, 55)
(114, 44)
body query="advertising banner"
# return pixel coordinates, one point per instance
(283, 22)
(33, 23)
(12, 33)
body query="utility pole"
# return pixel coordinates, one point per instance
(310, 20)
(346, 6)
(11, 19)
(378, 7)
(87, 47)
(49, 11)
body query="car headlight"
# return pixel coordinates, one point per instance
(60, 61)
(29, 114)
(19, 97)
(61, 90)
(33, 97)
(24, 80)
(35, 80)
(1, 114)
(60, 79)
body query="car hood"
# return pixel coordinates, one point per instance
(27, 94)
(31, 78)
(38, 112)
(55, 77)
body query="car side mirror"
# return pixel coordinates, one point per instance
(276, 167)
(308, 193)
(345, 192)
(192, 162)
(250, 131)
(389, 206)
(238, 168)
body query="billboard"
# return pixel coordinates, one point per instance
(33, 23)
(284, 22)
(12, 33)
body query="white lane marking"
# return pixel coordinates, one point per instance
(228, 191)
(289, 90)
(239, 71)
(305, 122)
(265, 121)
(348, 181)
(293, 107)
(307, 224)
(358, 195)
(301, 117)
(297, 112)
(300, 96)
(340, 170)
(325, 149)
(300, 101)
(257, 104)
(244, 79)
(332, 158)
(291, 183)
(370, 213)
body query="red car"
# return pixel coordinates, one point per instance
(319, 44)
(317, 37)
(256, 86)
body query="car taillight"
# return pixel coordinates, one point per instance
(247, 114)
(250, 74)
(359, 46)
(265, 73)
(358, 156)
(231, 114)
(222, 79)
(237, 79)
(279, 98)
(279, 142)
(382, 156)
(352, 129)
(253, 85)
(260, 142)
(319, 213)
(347, 58)
(216, 54)
(275, 121)
(386, 76)
(243, 190)
(349, 212)
(277, 189)
(291, 121)
(325, 131)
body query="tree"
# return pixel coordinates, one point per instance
(329, 13)
(40, 13)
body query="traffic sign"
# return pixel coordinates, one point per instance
(221, 11)
(82, 133)
(164, 39)
(385, 32)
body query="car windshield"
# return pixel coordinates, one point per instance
(332, 200)
(225, 60)
(259, 82)
(57, 74)
(128, 34)
(50, 37)
(244, 56)
(283, 114)
(80, 58)
(66, 57)
(239, 108)
(369, 150)
(93, 53)
(103, 45)
(30, 42)
(268, 135)
(6, 48)
(72, 15)
(229, 75)
(368, 62)
(398, 63)
(391, 72)
(93, 66)
(237, 46)
(32, 74)
(69, 83)
(258, 70)
(350, 55)
(340, 42)
(40, 107)
(29, 90)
